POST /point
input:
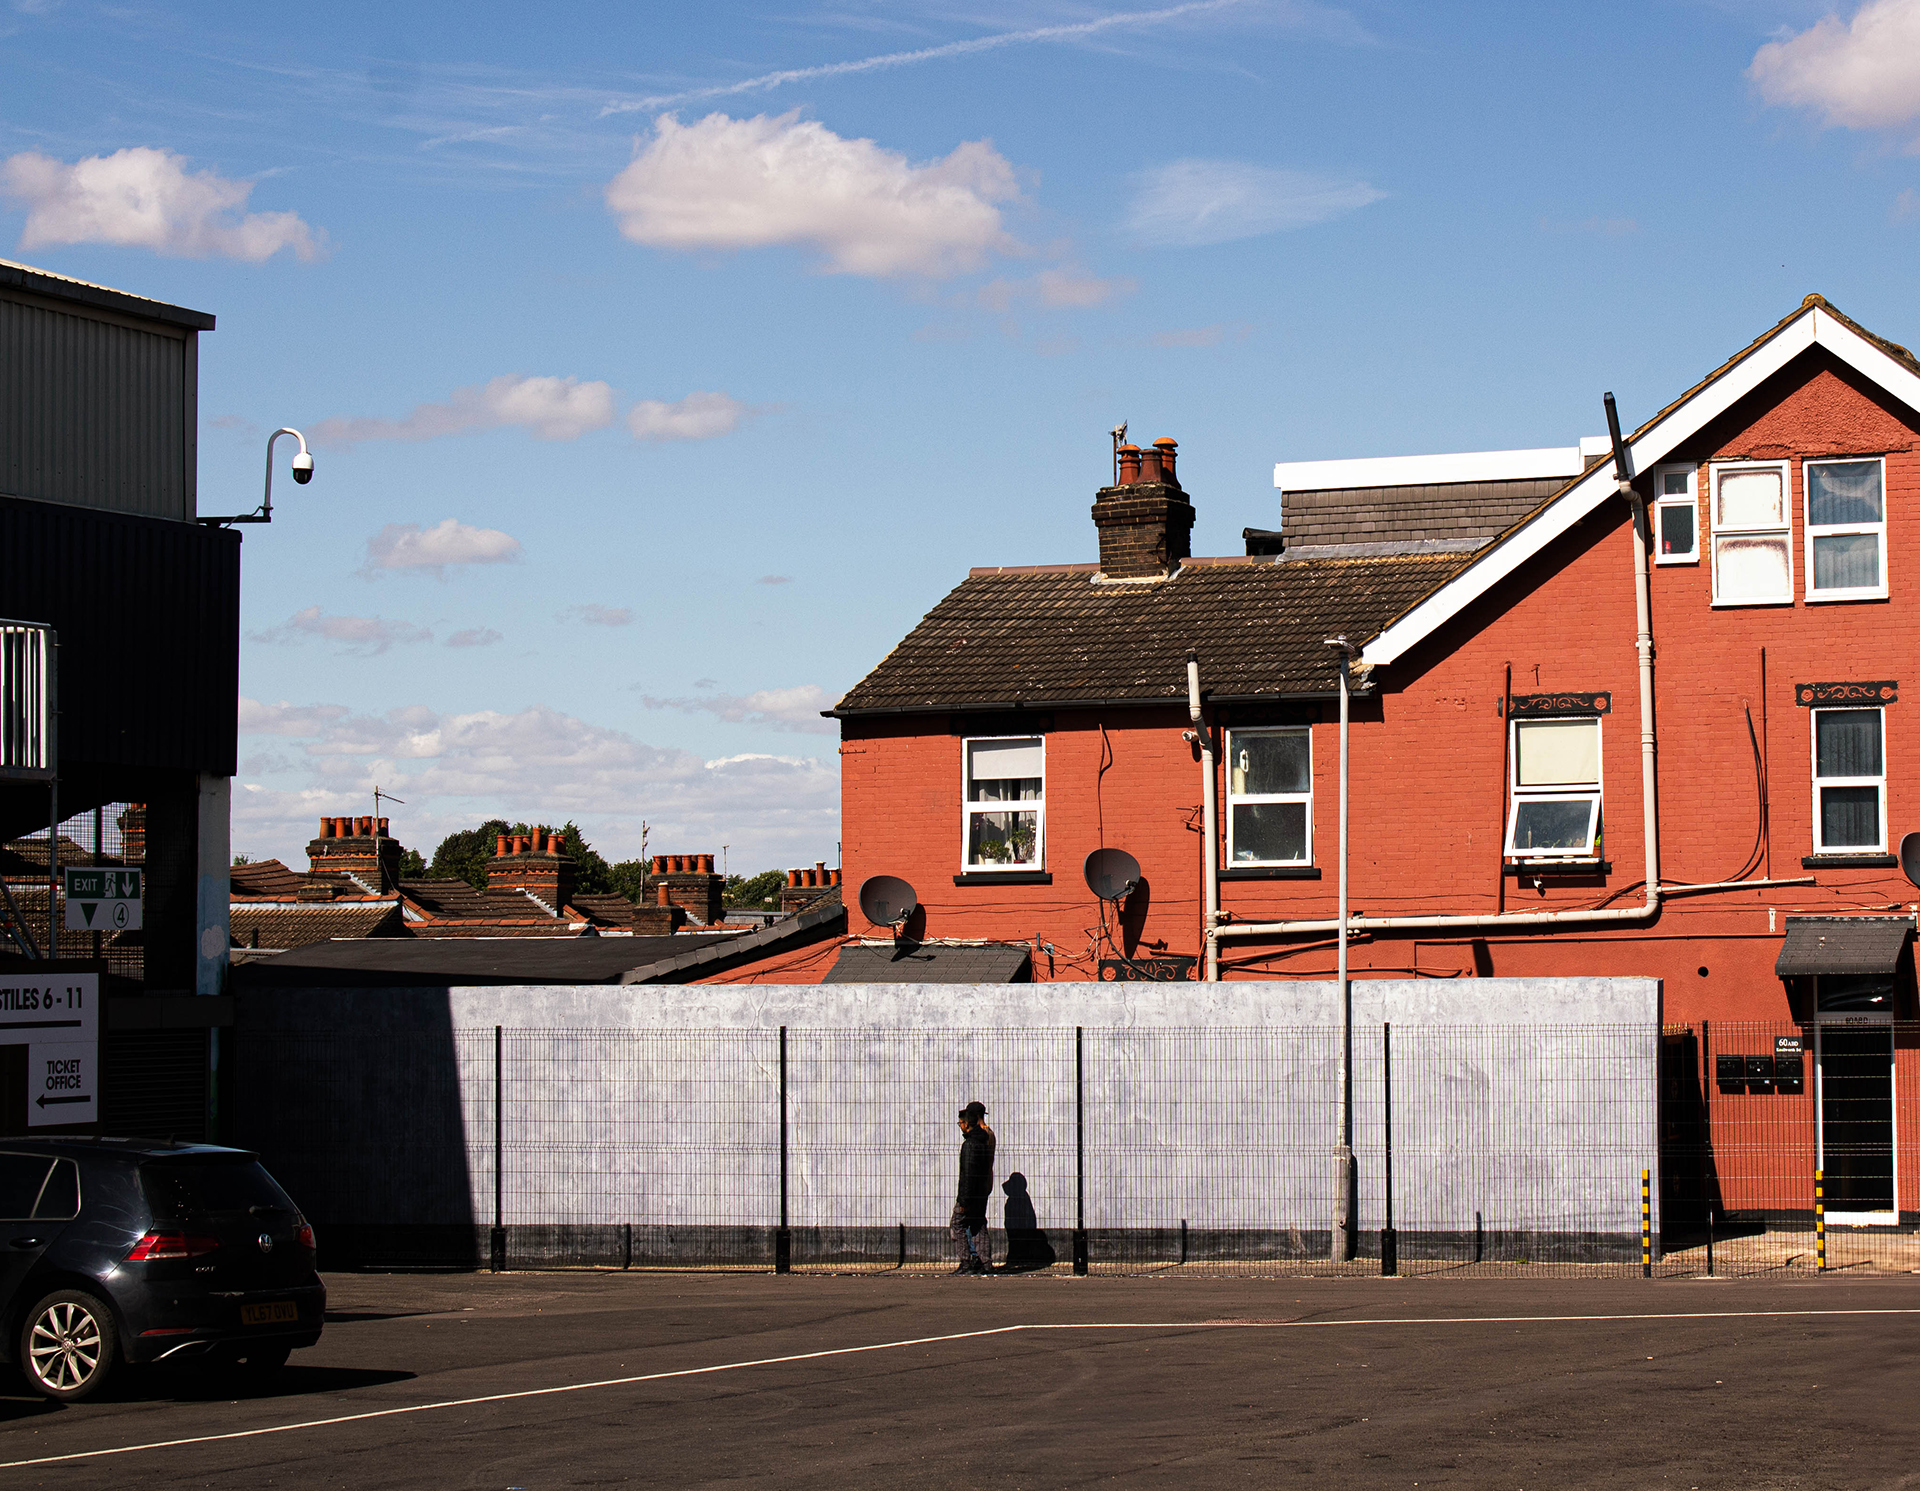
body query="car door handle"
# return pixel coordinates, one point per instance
(28, 1242)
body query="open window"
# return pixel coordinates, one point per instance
(1555, 790)
(1676, 516)
(1846, 530)
(1006, 803)
(1849, 781)
(1752, 540)
(1269, 797)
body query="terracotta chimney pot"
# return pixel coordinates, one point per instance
(380, 825)
(1167, 448)
(326, 828)
(499, 846)
(1129, 465)
(1150, 469)
(706, 864)
(660, 895)
(834, 877)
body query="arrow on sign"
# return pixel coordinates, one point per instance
(79, 1097)
(87, 909)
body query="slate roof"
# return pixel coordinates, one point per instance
(1054, 637)
(1842, 945)
(1467, 512)
(932, 963)
(822, 918)
(281, 926)
(609, 910)
(407, 963)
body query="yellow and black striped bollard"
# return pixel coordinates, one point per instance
(1646, 1224)
(1820, 1221)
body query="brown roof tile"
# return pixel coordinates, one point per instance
(1057, 638)
(296, 926)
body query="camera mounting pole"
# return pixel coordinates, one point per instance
(302, 473)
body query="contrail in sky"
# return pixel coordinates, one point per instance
(925, 54)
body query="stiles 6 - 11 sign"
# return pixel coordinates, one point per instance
(102, 900)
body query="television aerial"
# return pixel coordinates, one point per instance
(1112, 874)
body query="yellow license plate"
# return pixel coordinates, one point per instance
(281, 1311)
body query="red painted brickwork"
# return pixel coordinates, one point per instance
(1428, 754)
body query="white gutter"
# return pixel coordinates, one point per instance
(1211, 876)
(1643, 616)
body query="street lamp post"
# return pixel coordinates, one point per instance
(1343, 1235)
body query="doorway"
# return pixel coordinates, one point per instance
(1854, 1072)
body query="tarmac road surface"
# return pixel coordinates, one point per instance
(540, 1381)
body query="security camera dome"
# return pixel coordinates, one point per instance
(303, 468)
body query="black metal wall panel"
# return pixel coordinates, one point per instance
(148, 615)
(94, 411)
(154, 1084)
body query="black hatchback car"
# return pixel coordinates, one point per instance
(130, 1250)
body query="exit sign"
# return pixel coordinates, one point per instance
(103, 900)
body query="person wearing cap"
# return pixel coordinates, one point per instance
(976, 1186)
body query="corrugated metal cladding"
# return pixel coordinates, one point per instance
(148, 616)
(154, 1083)
(94, 412)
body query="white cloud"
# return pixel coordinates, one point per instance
(795, 708)
(1863, 73)
(1192, 202)
(474, 636)
(774, 580)
(595, 614)
(362, 636)
(538, 765)
(448, 544)
(552, 408)
(699, 416)
(144, 198)
(724, 183)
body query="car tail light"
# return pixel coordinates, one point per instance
(305, 1236)
(157, 1245)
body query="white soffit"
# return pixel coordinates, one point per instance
(1646, 451)
(1420, 471)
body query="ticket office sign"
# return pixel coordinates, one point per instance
(56, 1016)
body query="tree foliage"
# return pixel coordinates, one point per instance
(464, 856)
(759, 892)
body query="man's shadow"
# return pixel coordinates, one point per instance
(1027, 1246)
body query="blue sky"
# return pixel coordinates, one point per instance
(664, 364)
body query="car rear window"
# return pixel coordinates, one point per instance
(201, 1188)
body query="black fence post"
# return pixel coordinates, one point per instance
(1389, 1239)
(783, 1238)
(1079, 1151)
(498, 1242)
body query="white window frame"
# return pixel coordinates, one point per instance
(1249, 798)
(1784, 527)
(1558, 792)
(1661, 500)
(969, 809)
(1826, 530)
(1813, 769)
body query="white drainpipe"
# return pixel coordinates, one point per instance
(1210, 889)
(1643, 615)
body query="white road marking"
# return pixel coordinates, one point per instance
(999, 1330)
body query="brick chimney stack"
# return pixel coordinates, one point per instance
(535, 863)
(1145, 520)
(357, 846)
(690, 882)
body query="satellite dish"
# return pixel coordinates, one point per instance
(887, 900)
(1112, 874)
(1910, 856)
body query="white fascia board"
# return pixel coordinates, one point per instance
(1645, 452)
(1419, 471)
(1865, 358)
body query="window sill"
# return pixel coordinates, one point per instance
(1004, 877)
(1737, 605)
(1849, 862)
(1523, 867)
(1817, 598)
(1272, 872)
(1677, 559)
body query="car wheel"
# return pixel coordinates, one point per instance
(67, 1345)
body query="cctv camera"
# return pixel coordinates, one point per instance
(303, 468)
